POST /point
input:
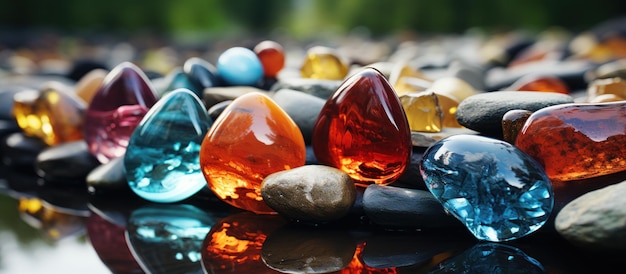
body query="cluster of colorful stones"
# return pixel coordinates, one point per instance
(172, 148)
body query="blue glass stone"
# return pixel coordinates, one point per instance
(496, 190)
(239, 67)
(178, 79)
(490, 258)
(162, 160)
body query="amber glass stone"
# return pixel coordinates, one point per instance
(422, 111)
(272, 57)
(323, 63)
(512, 123)
(448, 106)
(452, 87)
(405, 79)
(234, 244)
(87, 87)
(577, 141)
(611, 86)
(362, 130)
(251, 139)
(540, 83)
(55, 115)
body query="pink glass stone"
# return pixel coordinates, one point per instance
(577, 141)
(362, 130)
(116, 109)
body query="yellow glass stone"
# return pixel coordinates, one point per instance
(422, 111)
(605, 98)
(323, 63)
(404, 78)
(452, 87)
(55, 115)
(448, 106)
(89, 84)
(615, 86)
(27, 120)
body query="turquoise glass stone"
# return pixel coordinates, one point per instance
(239, 67)
(162, 160)
(496, 190)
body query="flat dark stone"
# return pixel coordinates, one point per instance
(483, 112)
(20, 151)
(316, 87)
(66, 162)
(396, 207)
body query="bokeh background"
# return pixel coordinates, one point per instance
(302, 18)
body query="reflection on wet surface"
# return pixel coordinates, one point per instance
(63, 229)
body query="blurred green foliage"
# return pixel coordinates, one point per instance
(304, 17)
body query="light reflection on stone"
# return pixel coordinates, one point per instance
(167, 238)
(490, 258)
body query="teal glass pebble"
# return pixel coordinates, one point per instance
(162, 160)
(496, 190)
(239, 67)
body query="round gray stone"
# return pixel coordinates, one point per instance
(596, 219)
(310, 193)
(483, 112)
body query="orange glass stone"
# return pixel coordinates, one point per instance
(604, 98)
(362, 130)
(577, 141)
(323, 63)
(271, 56)
(540, 83)
(234, 244)
(251, 139)
(55, 115)
(89, 84)
(422, 111)
(405, 79)
(512, 123)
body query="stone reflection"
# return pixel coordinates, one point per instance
(490, 258)
(55, 223)
(308, 250)
(109, 241)
(234, 244)
(167, 238)
(412, 251)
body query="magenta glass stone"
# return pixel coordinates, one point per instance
(115, 111)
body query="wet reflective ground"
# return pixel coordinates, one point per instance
(63, 229)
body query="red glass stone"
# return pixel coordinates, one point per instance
(251, 139)
(234, 244)
(362, 130)
(540, 83)
(116, 109)
(272, 57)
(577, 141)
